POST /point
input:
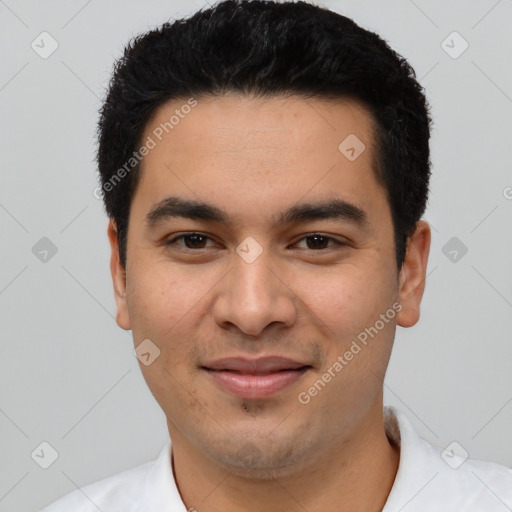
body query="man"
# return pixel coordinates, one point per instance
(265, 167)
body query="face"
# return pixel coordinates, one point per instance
(273, 301)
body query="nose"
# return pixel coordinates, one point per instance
(253, 296)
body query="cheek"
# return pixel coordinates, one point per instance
(158, 297)
(347, 306)
(162, 309)
(166, 305)
(345, 299)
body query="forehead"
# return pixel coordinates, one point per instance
(236, 121)
(235, 150)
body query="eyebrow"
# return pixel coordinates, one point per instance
(173, 206)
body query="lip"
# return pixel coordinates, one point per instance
(256, 378)
(260, 366)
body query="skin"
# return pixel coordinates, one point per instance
(254, 158)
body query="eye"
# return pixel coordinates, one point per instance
(317, 241)
(191, 241)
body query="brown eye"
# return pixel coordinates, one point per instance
(191, 241)
(318, 242)
(194, 241)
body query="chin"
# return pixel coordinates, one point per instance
(261, 457)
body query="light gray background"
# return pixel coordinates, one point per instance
(67, 372)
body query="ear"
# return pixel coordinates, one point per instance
(412, 275)
(118, 278)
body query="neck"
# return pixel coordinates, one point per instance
(355, 475)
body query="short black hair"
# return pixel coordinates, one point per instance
(266, 48)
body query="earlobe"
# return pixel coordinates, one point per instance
(412, 275)
(118, 278)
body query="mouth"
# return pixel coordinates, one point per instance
(255, 379)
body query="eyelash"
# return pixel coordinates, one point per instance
(310, 235)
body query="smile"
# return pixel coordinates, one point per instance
(256, 379)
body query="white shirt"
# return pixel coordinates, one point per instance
(426, 482)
